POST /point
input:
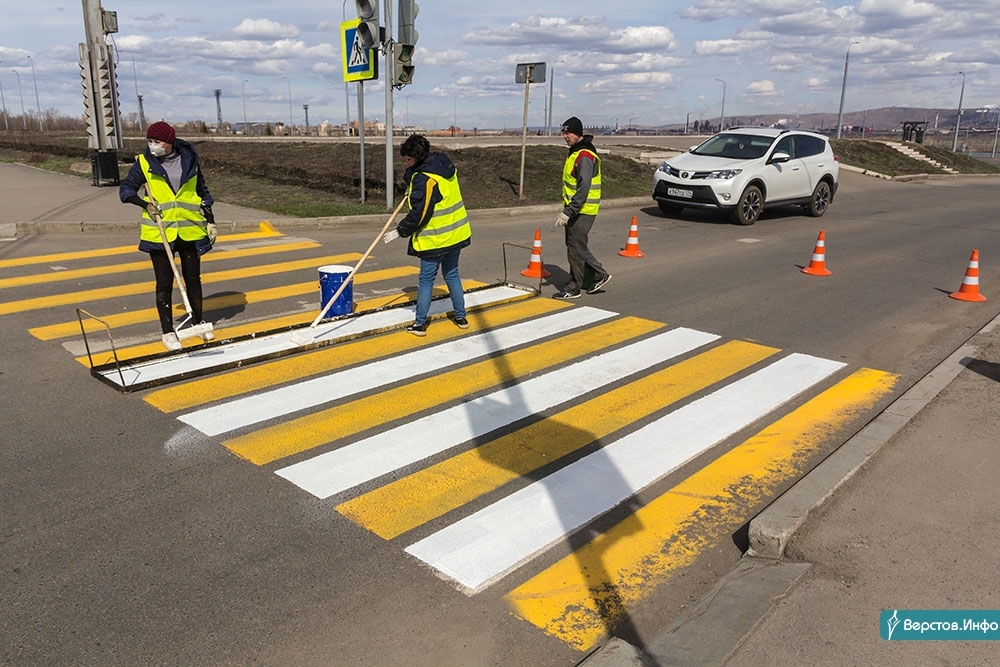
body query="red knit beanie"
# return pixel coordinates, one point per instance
(161, 131)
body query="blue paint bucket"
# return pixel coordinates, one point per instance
(331, 277)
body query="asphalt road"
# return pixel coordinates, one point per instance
(128, 539)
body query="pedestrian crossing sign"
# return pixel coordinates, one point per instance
(360, 64)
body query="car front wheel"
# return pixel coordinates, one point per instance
(749, 206)
(820, 200)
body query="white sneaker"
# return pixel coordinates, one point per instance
(207, 336)
(171, 342)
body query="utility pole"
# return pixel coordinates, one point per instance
(6, 125)
(958, 118)
(843, 91)
(37, 105)
(218, 109)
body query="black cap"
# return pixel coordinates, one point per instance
(573, 125)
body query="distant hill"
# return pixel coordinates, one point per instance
(885, 119)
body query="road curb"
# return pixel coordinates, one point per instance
(70, 227)
(771, 530)
(712, 628)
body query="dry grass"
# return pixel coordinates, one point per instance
(308, 179)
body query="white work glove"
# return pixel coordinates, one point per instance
(390, 236)
(213, 232)
(153, 210)
(561, 221)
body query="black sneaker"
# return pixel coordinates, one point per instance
(461, 323)
(599, 284)
(562, 296)
(418, 329)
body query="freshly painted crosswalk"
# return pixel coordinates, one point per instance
(329, 388)
(382, 453)
(480, 452)
(483, 546)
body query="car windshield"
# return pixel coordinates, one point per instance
(735, 146)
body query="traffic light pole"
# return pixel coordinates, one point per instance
(390, 195)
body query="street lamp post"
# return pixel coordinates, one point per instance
(37, 105)
(243, 86)
(843, 90)
(958, 118)
(722, 116)
(6, 125)
(291, 123)
(24, 116)
(138, 97)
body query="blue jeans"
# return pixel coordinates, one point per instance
(425, 286)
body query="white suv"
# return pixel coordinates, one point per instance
(742, 170)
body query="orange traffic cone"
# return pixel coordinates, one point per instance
(817, 266)
(632, 244)
(535, 268)
(969, 291)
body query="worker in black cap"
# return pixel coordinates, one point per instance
(581, 190)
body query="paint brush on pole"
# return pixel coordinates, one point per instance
(308, 336)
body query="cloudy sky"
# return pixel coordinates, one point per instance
(646, 62)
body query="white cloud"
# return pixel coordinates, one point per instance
(264, 29)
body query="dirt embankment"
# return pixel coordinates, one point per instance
(291, 176)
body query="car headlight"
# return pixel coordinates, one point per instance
(664, 167)
(725, 174)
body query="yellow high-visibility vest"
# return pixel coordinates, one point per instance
(569, 183)
(182, 214)
(449, 224)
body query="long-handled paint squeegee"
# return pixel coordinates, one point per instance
(194, 330)
(307, 336)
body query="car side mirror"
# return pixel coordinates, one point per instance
(780, 157)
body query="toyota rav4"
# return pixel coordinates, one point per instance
(740, 171)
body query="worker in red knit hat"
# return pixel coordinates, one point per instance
(169, 170)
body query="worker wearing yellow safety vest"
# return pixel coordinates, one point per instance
(437, 227)
(169, 170)
(581, 190)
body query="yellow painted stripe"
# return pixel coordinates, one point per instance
(146, 349)
(329, 359)
(83, 297)
(274, 323)
(578, 598)
(238, 301)
(298, 435)
(144, 265)
(395, 508)
(267, 231)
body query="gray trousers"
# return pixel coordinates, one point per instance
(584, 269)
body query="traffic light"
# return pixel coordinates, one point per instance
(403, 54)
(368, 29)
(408, 10)
(406, 44)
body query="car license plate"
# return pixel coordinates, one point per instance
(677, 192)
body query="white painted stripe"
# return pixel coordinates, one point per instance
(328, 388)
(341, 469)
(231, 354)
(490, 543)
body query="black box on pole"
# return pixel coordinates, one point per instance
(104, 167)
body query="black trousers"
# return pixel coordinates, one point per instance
(584, 269)
(190, 271)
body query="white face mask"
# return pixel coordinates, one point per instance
(157, 149)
